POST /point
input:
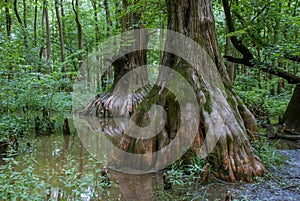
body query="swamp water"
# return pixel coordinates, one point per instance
(73, 174)
(64, 163)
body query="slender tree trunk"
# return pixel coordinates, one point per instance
(75, 7)
(23, 26)
(108, 21)
(48, 40)
(17, 12)
(61, 38)
(230, 66)
(8, 19)
(42, 54)
(8, 32)
(97, 32)
(25, 14)
(62, 12)
(35, 34)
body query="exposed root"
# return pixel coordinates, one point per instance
(106, 104)
(236, 160)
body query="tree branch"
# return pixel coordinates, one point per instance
(289, 77)
(260, 12)
(236, 43)
(292, 57)
(17, 13)
(248, 58)
(238, 60)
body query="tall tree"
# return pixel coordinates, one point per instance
(8, 19)
(8, 32)
(75, 7)
(61, 37)
(97, 32)
(107, 14)
(48, 36)
(25, 14)
(126, 62)
(62, 12)
(223, 113)
(35, 33)
(23, 26)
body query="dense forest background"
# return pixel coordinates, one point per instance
(44, 44)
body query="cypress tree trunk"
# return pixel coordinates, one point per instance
(222, 114)
(123, 64)
(291, 116)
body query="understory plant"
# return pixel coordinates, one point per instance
(25, 181)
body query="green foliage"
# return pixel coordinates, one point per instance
(185, 177)
(27, 97)
(268, 153)
(260, 100)
(10, 125)
(187, 171)
(19, 181)
(269, 29)
(21, 185)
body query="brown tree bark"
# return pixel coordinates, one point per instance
(61, 38)
(108, 20)
(233, 158)
(8, 32)
(291, 116)
(62, 12)
(25, 14)
(130, 61)
(23, 26)
(17, 12)
(107, 73)
(35, 34)
(48, 39)
(124, 63)
(8, 19)
(97, 33)
(75, 7)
